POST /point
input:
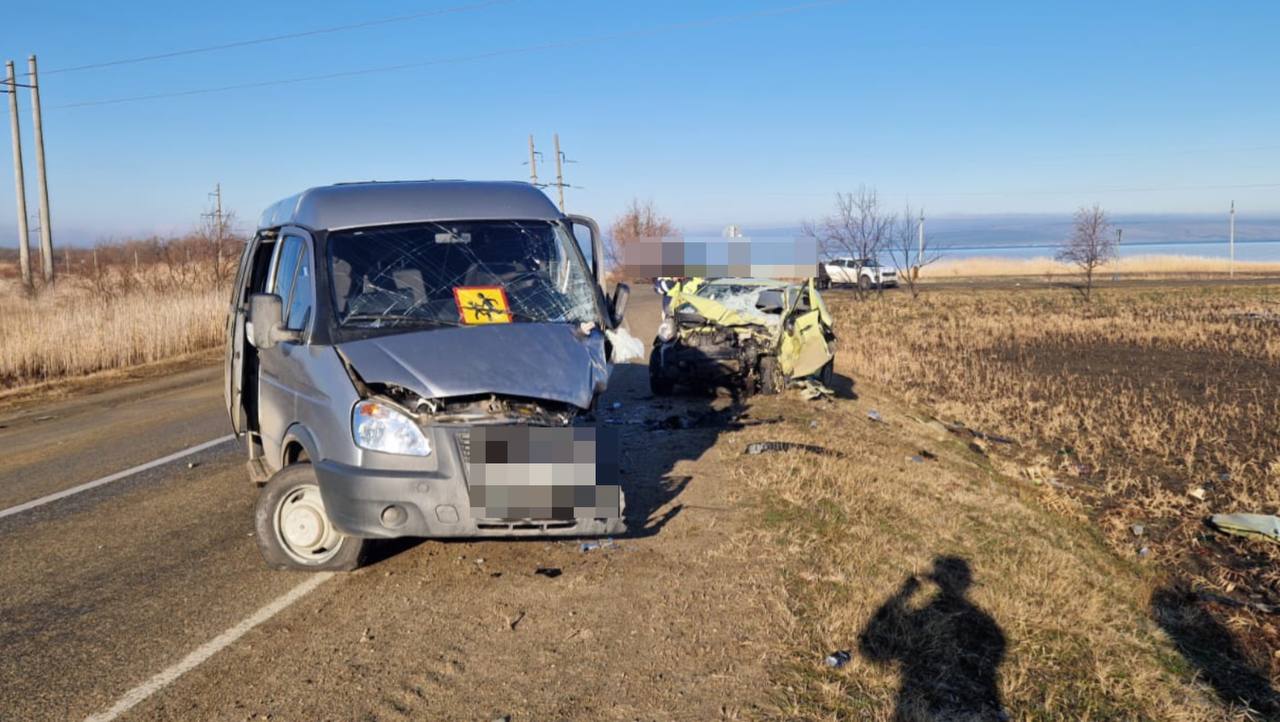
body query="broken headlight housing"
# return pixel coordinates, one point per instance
(381, 426)
(667, 329)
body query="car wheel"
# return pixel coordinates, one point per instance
(659, 385)
(768, 376)
(293, 530)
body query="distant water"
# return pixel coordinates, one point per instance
(1245, 250)
(768, 249)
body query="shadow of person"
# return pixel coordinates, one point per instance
(948, 650)
(1214, 651)
(672, 429)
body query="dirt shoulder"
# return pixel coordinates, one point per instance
(114, 384)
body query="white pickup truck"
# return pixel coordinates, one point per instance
(864, 272)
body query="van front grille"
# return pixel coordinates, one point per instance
(464, 445)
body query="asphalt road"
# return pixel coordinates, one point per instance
(105, 589)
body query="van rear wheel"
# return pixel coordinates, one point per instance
(293, 530)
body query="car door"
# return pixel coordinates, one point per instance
(233, 365)
(281, 368)
(804, 348)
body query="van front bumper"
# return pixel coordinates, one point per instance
(372, 503)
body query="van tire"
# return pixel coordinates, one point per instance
(294, 532)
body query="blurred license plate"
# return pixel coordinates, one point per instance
(532, 472)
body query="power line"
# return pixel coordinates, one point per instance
(570, 43)
(275, 38)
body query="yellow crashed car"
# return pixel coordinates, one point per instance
(752, 334)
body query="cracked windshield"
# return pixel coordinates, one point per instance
(455, 274)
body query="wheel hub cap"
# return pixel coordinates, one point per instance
(303, 527)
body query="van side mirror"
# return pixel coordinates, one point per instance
(618, 304)
(266, 313)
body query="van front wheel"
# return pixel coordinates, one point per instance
(294, 532)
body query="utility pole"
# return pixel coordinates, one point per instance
(24, 250)
(533, 162)
(46, 231)
(1115, 275)
(1232, 242)
(920, 251)
(559, 171)
(217, 218)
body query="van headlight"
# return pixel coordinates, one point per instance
(379, 426)
(667, 329)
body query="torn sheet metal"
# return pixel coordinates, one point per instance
(1258, 526)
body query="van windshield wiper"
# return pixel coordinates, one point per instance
(396, 319)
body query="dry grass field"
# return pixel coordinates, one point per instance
(112, 310)
(956, 592)
(1146, 407)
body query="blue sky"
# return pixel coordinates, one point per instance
(966, 108)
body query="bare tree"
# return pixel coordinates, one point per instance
(910, 249)
(859, 228)
(1091, 244)
(218, 246)
(640, 223)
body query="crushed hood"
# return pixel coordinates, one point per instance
(541, 361)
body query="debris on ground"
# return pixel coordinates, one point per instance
(707, 420)
(1232, 602)
(511, 623)
(1258, 526)
(1137, 529)
(812, 389)
(875, 416)
(1144, 552)
(549, 572)
(838, 659)
(762, 447)
(192, 464)
(1197, 493)
(605, 544)
(960, 429)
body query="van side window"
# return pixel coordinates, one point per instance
(304, 293)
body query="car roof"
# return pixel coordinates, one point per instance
(378, 203)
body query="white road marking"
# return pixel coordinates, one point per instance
(207, 650)
(26, 506)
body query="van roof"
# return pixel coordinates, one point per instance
(378, 203)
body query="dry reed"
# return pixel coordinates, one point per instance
(72, 330)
